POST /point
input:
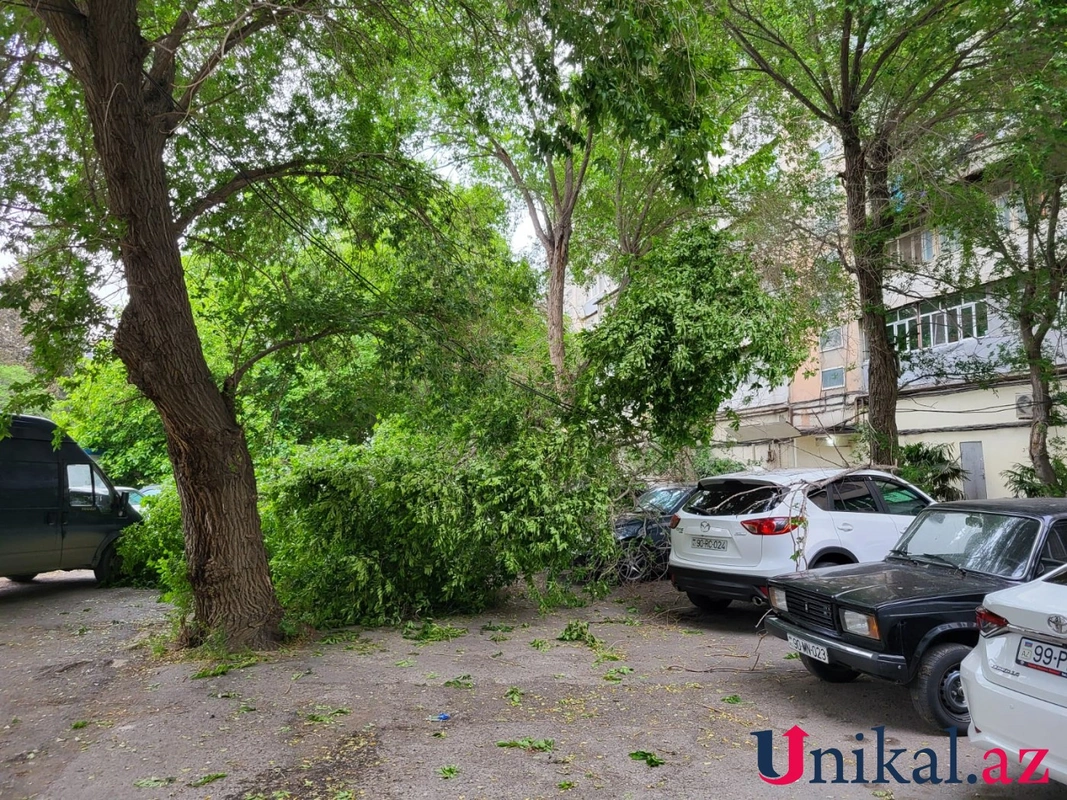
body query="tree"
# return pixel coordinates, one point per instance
(555, 82)
(880, 76)
(681, 339)
(136, 121)
(1009, 211)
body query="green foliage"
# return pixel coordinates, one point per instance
(221, 669)
(412, 522)
(111, 417)
(578, 631)
(430, 631)
(648, 757)
(530, 744)
(683, 338)
(1022, 479)
(154, 549)
(707, 463)
(931, 468)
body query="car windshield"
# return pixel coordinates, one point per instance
(996, 544)
(663, 500)
(734, 497)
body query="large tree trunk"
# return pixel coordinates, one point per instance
(867, 196)
(157, 338)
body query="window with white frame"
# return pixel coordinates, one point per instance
(833, 378)
(938, 322)
(951, 319)
(902, 326)
(832, 339)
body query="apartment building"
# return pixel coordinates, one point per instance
(943, 336)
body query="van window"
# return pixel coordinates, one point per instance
(29, 484)
(86, 488)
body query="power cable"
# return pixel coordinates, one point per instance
(438, 335)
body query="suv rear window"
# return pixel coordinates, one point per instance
(734, 497)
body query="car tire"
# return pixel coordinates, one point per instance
(635, 561)
(937, 691)
(28, 578)
(830, 673)
(706, 603)
(109, 566)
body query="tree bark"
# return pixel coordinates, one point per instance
(1042, 402)
(157, 338)
(867, 208)
(558, 256)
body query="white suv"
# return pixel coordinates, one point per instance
(740, 529)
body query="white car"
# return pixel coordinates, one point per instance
(741, 529)
(1015, 680)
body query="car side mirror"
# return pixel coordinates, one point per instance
(124, 503)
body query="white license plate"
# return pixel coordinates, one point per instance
(1049, 658)
(803, 646)
(706, 543)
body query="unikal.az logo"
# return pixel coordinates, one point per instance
(1058, 623)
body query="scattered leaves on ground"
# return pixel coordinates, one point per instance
(648, 757)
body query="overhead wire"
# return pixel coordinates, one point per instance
(273, 204)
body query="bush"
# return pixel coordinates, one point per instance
(153, 551)
(1022, 479)
(412, 523)
(932, 469)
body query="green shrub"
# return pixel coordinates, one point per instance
(932, 469)
(414, 523)
(1022, 479)
(147, 547)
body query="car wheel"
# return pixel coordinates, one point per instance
(831, 673)
(109, 566)
(937, 691)
(22, 578)
(706, 603)
(635, 562)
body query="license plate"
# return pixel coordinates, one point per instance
(1045, 657)
(706, 543)
(803, 646)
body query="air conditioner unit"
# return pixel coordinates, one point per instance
(1024, 406)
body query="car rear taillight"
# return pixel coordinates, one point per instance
(674, 521)
(990, 624)
(771, 526)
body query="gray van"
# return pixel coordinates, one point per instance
(57, 509)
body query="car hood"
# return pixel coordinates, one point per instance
(632, 524)
(882, 582)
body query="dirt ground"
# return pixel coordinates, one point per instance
(89, 711)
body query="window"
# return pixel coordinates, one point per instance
(86, 488)
(902, 325)
(938, 322)
(832, 339)
(853, 495)
(820, 499)
(833, 378)
(953, 318)
(730, 497)
(899, 499)
(928, 253)
(1054, 553)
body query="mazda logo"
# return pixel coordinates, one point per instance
(705, 527)
(1058, 623)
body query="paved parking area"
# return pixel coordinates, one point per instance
(89, 710)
